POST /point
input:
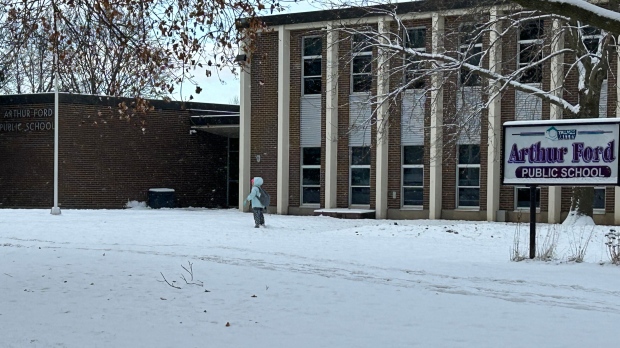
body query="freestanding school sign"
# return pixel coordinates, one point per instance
(581, 152)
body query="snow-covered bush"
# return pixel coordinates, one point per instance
(135, 205)
(546, 246)
(613, 246)
(578, 244)
(516, 252)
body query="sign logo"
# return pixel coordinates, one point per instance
(554, 134)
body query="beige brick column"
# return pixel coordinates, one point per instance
(436, 136)
(331, 118)
(284, 95)
(557, 79)
(381, 163)
(245, 98)
(495, 120)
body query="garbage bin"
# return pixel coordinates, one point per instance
(161, 198)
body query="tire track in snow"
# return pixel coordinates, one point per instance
(580, 298)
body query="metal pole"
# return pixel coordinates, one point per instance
(532, 221)
(55, 208)
(228, 174)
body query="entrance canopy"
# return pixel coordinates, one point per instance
(223, 123)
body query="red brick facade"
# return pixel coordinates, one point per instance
(106, 160)
(264, 125)
(264, 116)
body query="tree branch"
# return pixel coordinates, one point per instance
(580, 10)
(167, 282)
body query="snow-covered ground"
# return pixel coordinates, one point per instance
(95, 278)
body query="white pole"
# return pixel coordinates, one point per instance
(55, 208)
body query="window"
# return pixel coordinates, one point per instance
(361, 66)
(599, 199)
(591, 37)
(310, 175)
(522, 198)
(470, 49)
(468, 181)
(530, 51)
(311, 72)
(416, 40)
(413, 175)
(360, 175)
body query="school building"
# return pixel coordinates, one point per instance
(304, 89)
(110, 152)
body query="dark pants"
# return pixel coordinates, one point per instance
(259, 218)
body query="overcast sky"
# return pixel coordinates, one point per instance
(225, 89)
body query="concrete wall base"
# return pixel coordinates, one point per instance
(406, 214)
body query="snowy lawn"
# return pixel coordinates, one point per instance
(93, 278)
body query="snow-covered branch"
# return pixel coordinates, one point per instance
(581, 10)
(465, 55)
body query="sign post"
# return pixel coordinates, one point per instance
(532, 221)
(582, 152)
(56, 208)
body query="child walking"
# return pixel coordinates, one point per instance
(257, 207)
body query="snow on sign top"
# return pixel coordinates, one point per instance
(563, 122)
(580, 152)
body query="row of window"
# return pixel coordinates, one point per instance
(522, 198)
(359, 175)
(529, 45)
(468, 178)
(361, 65)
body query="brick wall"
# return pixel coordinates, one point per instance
(104, 160)
(344, 87)
(295, 119)
(27, 161)
(267, 114)
(264, 114)
(612, 100)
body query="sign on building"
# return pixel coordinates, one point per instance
(26, 120)
(580, 152)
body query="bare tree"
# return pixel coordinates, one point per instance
(122, 48)
(465, 67)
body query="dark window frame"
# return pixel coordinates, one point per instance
(418, 165)
(306, 167)
(470, 52)
(530, 39)
(309, 82)
(525, 203)
(414, 66)
(468, 163)
(361, 76)
(359, 160)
